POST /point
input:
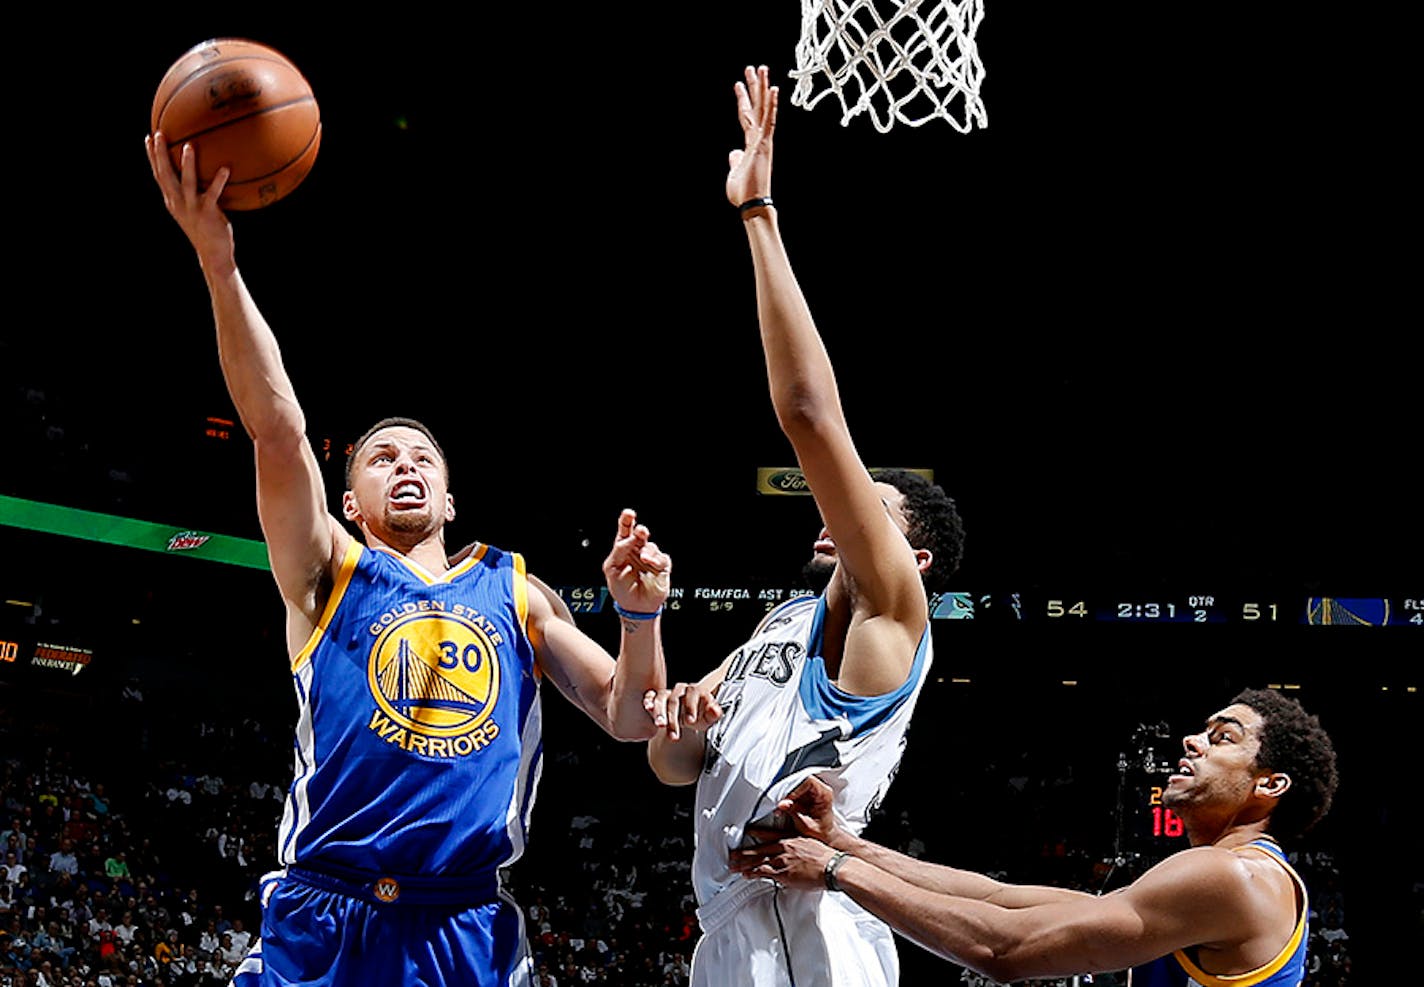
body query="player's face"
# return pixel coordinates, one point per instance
(823, 552)
(1218, 765)
(399, 482)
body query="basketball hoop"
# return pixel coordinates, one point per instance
(906, 60)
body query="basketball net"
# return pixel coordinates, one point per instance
(906, 60)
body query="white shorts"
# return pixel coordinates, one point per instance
(757, 935)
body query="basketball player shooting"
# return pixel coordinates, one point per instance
(417, 676)
(826, 685)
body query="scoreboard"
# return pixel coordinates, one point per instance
(1047, 609)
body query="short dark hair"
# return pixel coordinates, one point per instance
(1293, 742)
(935, 523)
(391, 423)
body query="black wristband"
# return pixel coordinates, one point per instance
(833, 865)
(751, 204)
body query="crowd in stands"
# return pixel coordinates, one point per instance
(131, 859)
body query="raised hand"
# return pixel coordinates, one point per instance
(749, 176)
(639, 576)
(197, 213)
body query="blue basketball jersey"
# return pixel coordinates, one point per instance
(1287, 969)
(418, 744)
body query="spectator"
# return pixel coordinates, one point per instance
(117, 865)
(167, 951)
(63, 860)
(241, 938)
(208, 941)
(229, 951)
(124, 931)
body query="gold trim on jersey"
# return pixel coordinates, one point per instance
(520, 588)
(343, 580)
(429, 578)
(1261, 973)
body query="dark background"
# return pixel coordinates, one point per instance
(1151, 328)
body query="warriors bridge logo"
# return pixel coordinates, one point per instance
(435, 679)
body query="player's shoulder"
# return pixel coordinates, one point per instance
(1203, 874)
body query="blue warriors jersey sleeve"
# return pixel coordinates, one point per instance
(418, 744)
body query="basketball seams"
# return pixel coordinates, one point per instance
(175, 87)
(176, 144)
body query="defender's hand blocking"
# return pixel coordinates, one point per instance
(639, 576)
(810, 807)
(794, 863)
(197, 213)
(750, 174)
(687, 704)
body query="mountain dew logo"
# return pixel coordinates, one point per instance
(185, 540)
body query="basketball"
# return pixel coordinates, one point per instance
(243, 105)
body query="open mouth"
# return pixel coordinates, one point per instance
(408, 494)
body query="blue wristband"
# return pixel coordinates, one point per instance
(636, 614)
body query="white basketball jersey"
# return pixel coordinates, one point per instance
(782, 720)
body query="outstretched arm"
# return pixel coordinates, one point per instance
(611, 692)
(1008, 932)
(811, 808)
(303, 540)
(891, 611)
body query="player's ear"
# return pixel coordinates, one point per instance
(924, 558)
(449, 508)
(349, 510)
(1273, 785)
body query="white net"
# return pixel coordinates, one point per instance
(910, 61)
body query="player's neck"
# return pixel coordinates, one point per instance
(1226, 835)
(427, 552)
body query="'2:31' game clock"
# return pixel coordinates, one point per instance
(1149, 610)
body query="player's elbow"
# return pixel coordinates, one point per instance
(1008, 958)
(668, 768)
(804, 410)
(987, 948)
(998, 968)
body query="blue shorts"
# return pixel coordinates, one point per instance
(318, 932)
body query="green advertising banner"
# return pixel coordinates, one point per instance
(132, 533)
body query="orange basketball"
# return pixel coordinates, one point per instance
(246, 106)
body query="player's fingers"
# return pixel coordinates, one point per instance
(216, 186)
(655, 701)
(626, 520)
(691, 706)
(188, 177)
(150, 148)
(711, 710)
